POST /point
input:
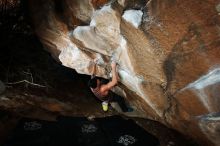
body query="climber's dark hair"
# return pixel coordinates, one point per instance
(92, 83)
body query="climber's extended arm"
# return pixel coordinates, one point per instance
(114, 80)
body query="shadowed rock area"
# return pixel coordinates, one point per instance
(167, 53)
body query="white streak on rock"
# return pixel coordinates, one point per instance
(198, 86)
(211, 78)
(209, 117)
(204, 98)
(133, 16)
(130, 80)
(123, 55)
(214, 118)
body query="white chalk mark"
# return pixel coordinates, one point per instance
(133, 16)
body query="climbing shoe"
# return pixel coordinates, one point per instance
(105, 106)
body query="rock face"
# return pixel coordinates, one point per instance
(167, 50)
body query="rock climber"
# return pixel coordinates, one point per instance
(102, 89)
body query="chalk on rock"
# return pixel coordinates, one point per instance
(133, 16)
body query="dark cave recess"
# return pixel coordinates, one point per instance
(22, 57)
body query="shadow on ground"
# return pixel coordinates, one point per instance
(78, 131)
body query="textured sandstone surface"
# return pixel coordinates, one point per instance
(167, 50)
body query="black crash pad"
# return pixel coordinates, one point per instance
(78, 131)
